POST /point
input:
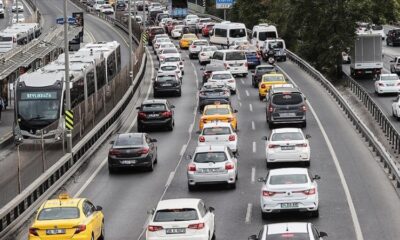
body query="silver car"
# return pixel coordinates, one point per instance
(212, 165)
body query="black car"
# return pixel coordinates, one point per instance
(213, 92)
(212, 67)
(132, 150)
(393, 37)
(167, 83)
(155, 113)
(120, 6)
(286, 105)
(260, 71)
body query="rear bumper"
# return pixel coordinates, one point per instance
(288, 157)
(155, 123)
(305, 205)
(204, 102)
(198, 179)
(115, 162)
(167, 90)
(177, 237)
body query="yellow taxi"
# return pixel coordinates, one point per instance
(218, 112)
(68, 218)
(267, 81)
(186, 40)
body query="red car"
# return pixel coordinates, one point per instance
(205, 31)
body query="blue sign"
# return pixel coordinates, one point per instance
(224, 4)
(60, 20)
(71, 20)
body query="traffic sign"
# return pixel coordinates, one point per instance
(224, 4)
(60, 20)
(69, 119)
(71, 20)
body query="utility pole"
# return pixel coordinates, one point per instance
(144, 15)
(66, 78)
(130, 39)
(16, 10)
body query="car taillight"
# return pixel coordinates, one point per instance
(231, 81)
(157, 45)
(270, 109)
(167, 114)
(142, 115)
(268, 193)
(273, 145)
(381, 84)
(193, 46)
(33, 231)
(203, 54)
(204, 120)
(80, 228)
(225, 65)
(263, 85)
(202, 139)
(232, 138)
(114, 152)
(398, 84)
(178, 71)
(246, 64)
(229, 166)
(154, 228)
(196, 226)
(303, 108)
(310, 191)
(144, 150)
(192, 167)
(302, 145)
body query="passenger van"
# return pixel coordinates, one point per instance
(227, 32)
(278, 46)
(234, 61)
(263, 32)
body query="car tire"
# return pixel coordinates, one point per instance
(183, 73)
(307, 163)
(284, 59)
(155, 94)
(304, 124)
(92, 238)
(270, 125)
(315, 214)
(170, 127)
(111, 170)
(140, 128)
(151, 167)
(190, 56)
(232, 185)
(265, 216)
(191, 188)
(179, 93)
(244, 74)
(260, 97)
(268, 164)
(102, 235)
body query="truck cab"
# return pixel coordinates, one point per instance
(395, 65)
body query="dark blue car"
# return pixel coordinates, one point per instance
(253, 58)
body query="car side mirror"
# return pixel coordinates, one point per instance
(198, 131)
(235, 111)
(153, 140)
(138, 108)
(262, 179)
(172, 106)
(253, 237)
(211, 209)
(99, 208)
(151, 211)
(308, 136)
(391, 60)
(111, 142)
(323, 234)
(264, 138)
(202, 69)
(316, 177)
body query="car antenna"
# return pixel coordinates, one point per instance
(287, 227)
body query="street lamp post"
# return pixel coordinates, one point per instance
(16, 9)
(66, 78)
(130, 38)
(144, 14)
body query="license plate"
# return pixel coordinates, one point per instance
(390, 84)
(289, 205)
(175, 230)
(368, 71)
(287, 147)
(236, 69)
(153, 115)
(210, 170)
(167, 85)
(287, 114)
(128, 161)
(55, 231)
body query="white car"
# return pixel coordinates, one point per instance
(201, 23)
(205, 53)
(157, 42)
(190, 19)
(239, 43)
(174, 57)
(163, 21)
(289, 230)
(377, 29)
(107, 9)
(185, 218)
(387, 83)
(196, 46)
(172, 68)
(396, 108)
(20, 7)
(289, 189)
(287, 145)
(164, 46)
(218, 133)
(166, 51)
(21, 18)
(212, 164)
(164, 35)
(224, 77)
(177, 31)
(97, 6)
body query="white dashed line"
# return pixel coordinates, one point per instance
(247, 93)
(171, 176)
(253, 175)
(254, 147)
(240, 104)
(251, 107)
(253, 125)
(191, 127)
(242, 81)
(248, 213)
(183, 149)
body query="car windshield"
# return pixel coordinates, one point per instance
(165, 78)
(265, 35)
(209, 49)
(377, 27)
(172, 59)
(287, 98)
(237, 33)
(275, 78)
(168, 68)
(206, 157)
(216, 111)
(172, 215)
(287, 136)
(57, 213)
(217, 131)
(222, 76)
(288, 179)
(170, 50)
(232, 56)
(128, 140)
(273, 45)
(153, 107)
(389, 78)
(289, 236)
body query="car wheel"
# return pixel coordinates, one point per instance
(179, 93)
(315, 213)
(304, 124)
(393, 113)
(260, 97)
(268, 164)
(170, 127)
(191, 187)
(183, 73)
(151, 167)
(92, 238)
(102, 235)
(111, 170)
(284, 59)
(213, 236)
(264, 215)
(232, 185)
(190, 56)
(270, 125)
(307, 163)
(244, 74)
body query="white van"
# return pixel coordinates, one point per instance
(98, 4)
(278, 46)
(234, 61)
(261, 33)
(226, 33)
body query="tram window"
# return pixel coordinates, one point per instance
(77, 92)
(90, 82)
(111, 67)
(119, 58)
(101, 78)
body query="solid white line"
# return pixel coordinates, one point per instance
(240, 104)
(191, 127)
(26, 6)
(253, 175)
(247, 93)
(253, 125)
(353, 213)
(171, 176)
(248, 213)
(183, 149)
(242, 81)
(251, 107)
(254, 147)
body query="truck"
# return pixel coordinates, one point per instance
(178, 9)
(366, 55)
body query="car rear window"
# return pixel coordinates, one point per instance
(237, 33)
(128, 140)
(389, 78)
(289, 236)
(210, 67)
(288, 179)
(172, 59)
(222, 76)
(154, 107)
(172, 215)
(157, 30)
(232, 56)
(200, 43)
(57, 213)
(165, 78)
(287, 136)
(287, 98)
(377, 27)
(216, 111)
(170, 50)
(273, 45)
(217, 131)
(210, 48)
(206, 157)
(270, 78)
(168, 68)
(262, 36)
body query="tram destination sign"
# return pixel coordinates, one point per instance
(39, 95)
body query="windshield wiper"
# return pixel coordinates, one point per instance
(36, 118)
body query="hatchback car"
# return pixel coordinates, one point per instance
(287, 145)
(393, 37)
(211, 93)
(205, 31)
(173, 58)
(205, 53)
(177, 31)
(210, 68)
(185, 218)
(155, 113)
(260, 71)
(195, 47)
(218, 133)
(212, 164)
(132, 150)
(287, 190)
(167, 51)
(289, 231)
(167, 83)
(387, 83)
(286, 105)
(170, 68)
(225, 77)
(267, 81)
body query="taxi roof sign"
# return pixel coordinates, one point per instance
(63, 196)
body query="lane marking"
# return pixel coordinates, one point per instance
(253, 125)
(251, 107)
(171, 176)
(253, 175)
(247, 93)
(191, 127)
(183, 149)
(254, 147)
(248, 213)
(240, 104)
(353, 213)
(242, 81)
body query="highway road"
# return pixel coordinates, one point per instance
(357, 201)
(8, 14)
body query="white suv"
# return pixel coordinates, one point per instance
(218, 133)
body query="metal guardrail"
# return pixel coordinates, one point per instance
(17, 211)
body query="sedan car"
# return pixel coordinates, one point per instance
(267, 81)
(212, 164)
(67, 218)
(107, 9)
(218, 112)
(195, 47)
(253, 57)
(387, 83)
(132, 150)
(170, 68)
(177, 31)
(20, 7)
(20, 19)
(164, 45)
(167, 83)
(260, 71)
(211, 93)
(205, 31)
(186, 40)
(289, 231)
(206, 53)
(167, 51)
(225, 77)
(185, 218)
(287, 145)
(173, 57)
(289, 189)
(210, 68)
(155, 113)
(218, 133)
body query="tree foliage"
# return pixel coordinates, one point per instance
(317, 30)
